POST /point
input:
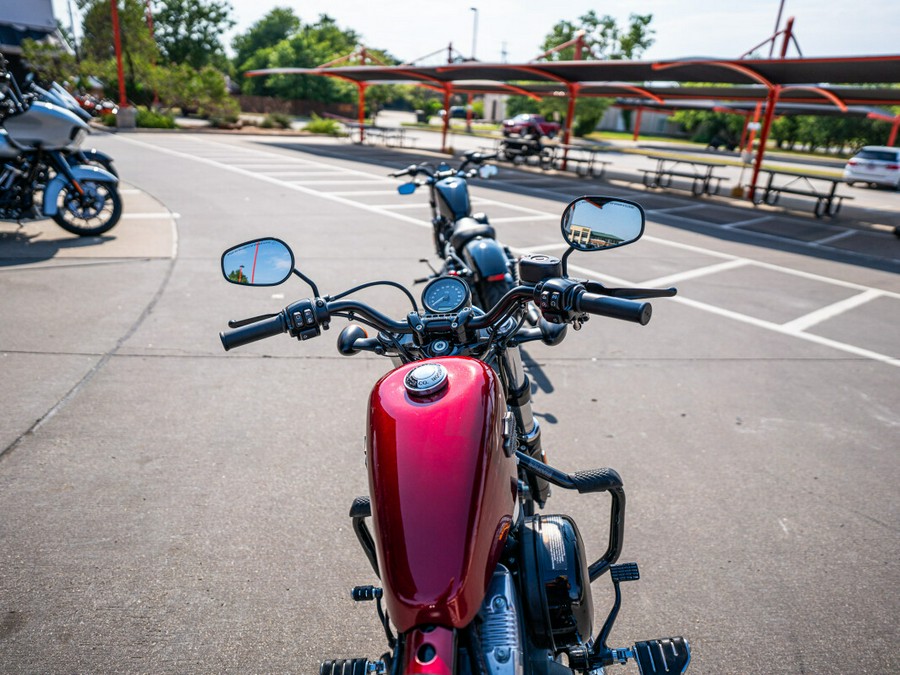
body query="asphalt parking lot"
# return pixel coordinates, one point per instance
(171, 508)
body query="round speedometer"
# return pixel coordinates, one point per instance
(445, 295)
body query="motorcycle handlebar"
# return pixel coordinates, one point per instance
(258, 330)
(614, 308)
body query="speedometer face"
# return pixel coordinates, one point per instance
(445, 295)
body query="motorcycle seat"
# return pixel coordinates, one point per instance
(467, 229)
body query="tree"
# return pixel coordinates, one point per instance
(48, 61)
(705, 125)
(602, 39)
(189, 31)
(277, 25)
(139, 51)
(313, 45)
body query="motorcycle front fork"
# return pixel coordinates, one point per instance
(528, 431)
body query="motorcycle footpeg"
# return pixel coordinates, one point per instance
(663, 656)
(346, 667)
(624, 572)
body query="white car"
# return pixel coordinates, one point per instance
(874, 164)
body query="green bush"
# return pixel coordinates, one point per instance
(585, 124)
(150, 119)
(276, 121)
(320, 125)
(222, 114)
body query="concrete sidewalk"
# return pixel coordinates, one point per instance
(56, 342)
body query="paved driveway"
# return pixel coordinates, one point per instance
(171, 508)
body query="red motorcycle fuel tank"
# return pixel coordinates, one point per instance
(443, 490)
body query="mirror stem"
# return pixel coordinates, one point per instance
(565, 261)
(312, 285)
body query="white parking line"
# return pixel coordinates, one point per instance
(742, 223)
(697, 272)
(282, 174)
(831, 311)
(386, 206)
(523, 219)
(835, 237)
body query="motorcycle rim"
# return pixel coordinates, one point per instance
(89, 214)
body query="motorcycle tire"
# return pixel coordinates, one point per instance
(91, 214)
(490, 293)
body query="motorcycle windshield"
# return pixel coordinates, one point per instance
(443, 492)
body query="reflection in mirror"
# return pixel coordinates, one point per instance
(263, 262)
(597, 223)
(488, 171)
(406, 188)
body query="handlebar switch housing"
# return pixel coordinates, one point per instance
(555, 298)
(304, 319)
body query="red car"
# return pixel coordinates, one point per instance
(520, 123)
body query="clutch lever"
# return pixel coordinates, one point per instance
(629, 293)
(237, 323)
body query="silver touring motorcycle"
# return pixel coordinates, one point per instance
(41, 176)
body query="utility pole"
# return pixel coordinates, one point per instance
(474, 29)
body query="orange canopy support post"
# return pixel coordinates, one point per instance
(771, 102)
(637, 122)
(446, 118)
(756, 114)
(893, 121)
(117, 40)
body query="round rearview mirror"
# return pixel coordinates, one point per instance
(261, 262)
(598, 223)
(488, 171)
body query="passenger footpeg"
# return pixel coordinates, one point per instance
(666, 655)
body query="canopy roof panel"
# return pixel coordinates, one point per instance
(836, 70)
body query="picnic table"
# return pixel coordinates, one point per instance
(703, 180)
(584, 157)
(387, 135)
(821, 188)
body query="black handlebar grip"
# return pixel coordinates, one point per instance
(255, 331)
(615, 308)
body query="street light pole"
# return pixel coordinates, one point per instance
(474, 29)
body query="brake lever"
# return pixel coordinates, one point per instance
(237, 323)
(629, 293)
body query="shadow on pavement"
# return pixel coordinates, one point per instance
(27, 246)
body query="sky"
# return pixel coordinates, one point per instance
(513, 30)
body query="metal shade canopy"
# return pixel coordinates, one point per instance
(801, 80)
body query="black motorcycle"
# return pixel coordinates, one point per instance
(465, 241)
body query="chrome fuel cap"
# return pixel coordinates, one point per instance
(426, 379)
